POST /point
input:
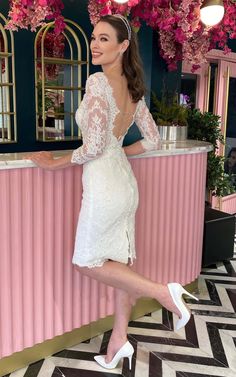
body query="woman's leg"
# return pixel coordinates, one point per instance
(119, 275)
(118, 337)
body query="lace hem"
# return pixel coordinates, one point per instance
(100, 263)
(96, 264)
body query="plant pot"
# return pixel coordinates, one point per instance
(218, 240)
(173, 133)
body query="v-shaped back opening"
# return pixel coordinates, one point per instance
(123, 120)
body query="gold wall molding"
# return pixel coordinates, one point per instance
(8, 121)
(66, 84)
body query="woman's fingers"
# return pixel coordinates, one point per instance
(31, 155)
(41, 159)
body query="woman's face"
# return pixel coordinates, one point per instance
(104, 45)
(232, 159)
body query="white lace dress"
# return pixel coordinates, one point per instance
(106, 222)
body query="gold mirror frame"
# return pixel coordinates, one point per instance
(9, 86)
(226, 77)
(72, 62)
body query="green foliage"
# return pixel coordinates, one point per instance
(206, 127)
(168, 112)
(48, 101)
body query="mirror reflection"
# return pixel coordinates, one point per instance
(188, 89)
(213, 87)
(230, 132)
(61, 66)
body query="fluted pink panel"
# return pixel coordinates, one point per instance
(170, 216)
(228, 204)
(41, 293)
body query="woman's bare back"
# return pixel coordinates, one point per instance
(125, 106)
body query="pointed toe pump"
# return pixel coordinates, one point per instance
(126, 350)
(176, 290)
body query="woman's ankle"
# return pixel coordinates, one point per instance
(118, 338)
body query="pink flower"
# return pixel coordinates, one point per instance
(33, 13)
(180, 36)
(43, 3)
(133, 3)
(106, 10)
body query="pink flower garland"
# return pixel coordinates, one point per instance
(99, 8)
(31, 14)
(182, 36)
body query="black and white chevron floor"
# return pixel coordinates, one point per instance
(206, 347)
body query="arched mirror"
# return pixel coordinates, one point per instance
(61, 70)
(195, 85)
(8, 132)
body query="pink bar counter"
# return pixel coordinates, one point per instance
(41, 294)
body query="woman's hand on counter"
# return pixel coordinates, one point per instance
(134, 149)
(46, 160)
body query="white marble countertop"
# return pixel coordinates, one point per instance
(171, 148)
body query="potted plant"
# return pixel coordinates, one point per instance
(170, 116)
(48, 103)
(206, 127)
(219, 227)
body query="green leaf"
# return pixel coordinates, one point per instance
(207, 127)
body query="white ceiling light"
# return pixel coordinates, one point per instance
(212, 12)
(121, 1)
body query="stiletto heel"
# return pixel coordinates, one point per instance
(126, 350)
(130, 361)
(176, 290)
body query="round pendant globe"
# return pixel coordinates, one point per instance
(121, 1)
(211, 15)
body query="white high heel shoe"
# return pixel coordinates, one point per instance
(126, 350)
(176, 290)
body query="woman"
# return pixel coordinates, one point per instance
(230, 165)
(104, 246)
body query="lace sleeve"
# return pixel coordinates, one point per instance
(148, 128)
(95, 116)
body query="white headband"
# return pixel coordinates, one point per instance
(126, 22)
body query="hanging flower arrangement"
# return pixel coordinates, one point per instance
(99, 8)
(32, 14)
(182, 36)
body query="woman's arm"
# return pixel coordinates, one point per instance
(95, 122)
(94, 131)
(148, 128)
(46, 160)
(136, 148)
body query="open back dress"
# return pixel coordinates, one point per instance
(106, 225)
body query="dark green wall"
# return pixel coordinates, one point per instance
(232, 44)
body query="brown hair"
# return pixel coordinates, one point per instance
(131, 63)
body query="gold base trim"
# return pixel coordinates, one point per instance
(30, 355)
